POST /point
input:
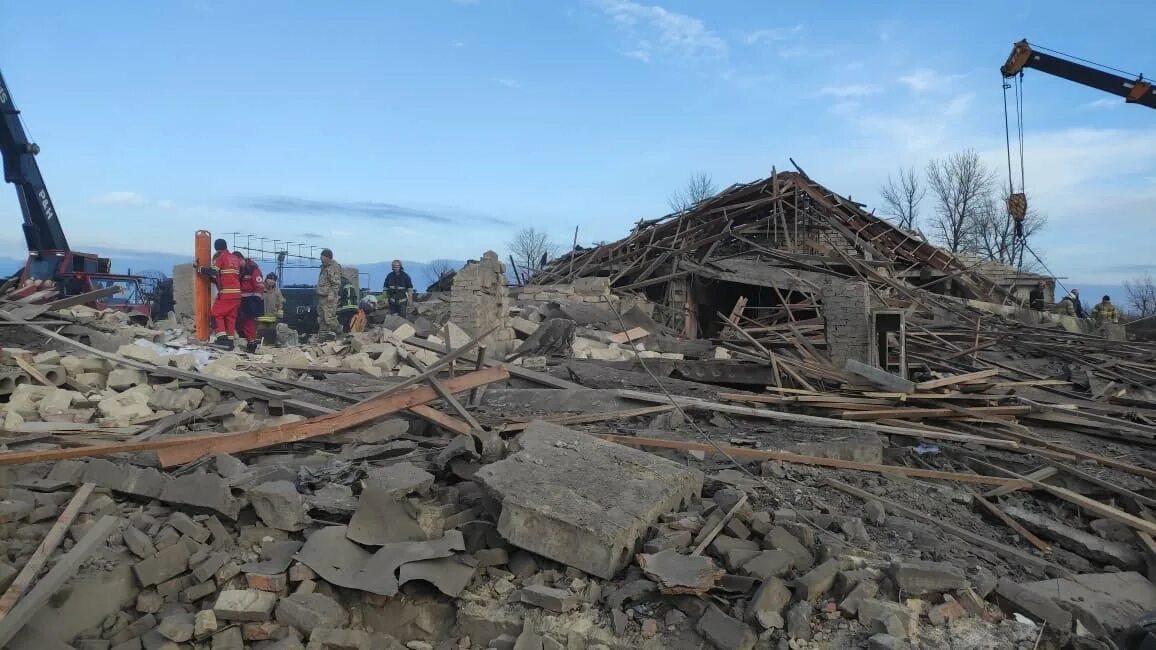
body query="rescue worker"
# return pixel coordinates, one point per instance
(346, 304)
(328, 286)
(1036, 297)
(1105, 311)
(252, 303)
(274, 305)
(225, 271)
(1070, 305)
(398, 290)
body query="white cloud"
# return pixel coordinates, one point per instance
(653, 31)
(959, 104)
(507, 82)
(119, 198)
(1104, 103)
(924, 80)
(772, 35)
(850, 90)
(166, 204)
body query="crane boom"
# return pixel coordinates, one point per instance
(42, 228)
(1134, 91)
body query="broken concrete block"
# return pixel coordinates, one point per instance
(555, 600)
(244, 605)
(780, 539)
(202, 491)
(862, 590)
(128, 406)
(138, 543)
(920, 578)
(164, 565)
(177, 628)
(724, 632)
(186, 526)
(125, 378)
(881, 613)
(946, 612)
(309, 611)
(582, 501)
(280, 505)
(142, 353)
(798, 621)
(230, 638)
(766, 606)
(818, 581)
(177, 401)
(205, 623)
(883, 641)
(91, 380)
(676, 573)
(273, 582)
(773, 563)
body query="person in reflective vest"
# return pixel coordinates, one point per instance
(398, 290)
(225, 271)
(346, 304)
(252, 302)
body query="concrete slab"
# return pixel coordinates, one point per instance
(1106, 603)
(1078, 541)
(681, 574)
(582, 501)
(383, 515)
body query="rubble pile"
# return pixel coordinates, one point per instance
(862, 463)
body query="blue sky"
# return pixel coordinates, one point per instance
(436, 128)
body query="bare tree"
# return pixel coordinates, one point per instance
(699, 187)
(441, 268)
(1142, 295)
(902, 196)
(960, 185)
(531, 249)
(994, 234)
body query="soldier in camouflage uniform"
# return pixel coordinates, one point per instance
(328, 286)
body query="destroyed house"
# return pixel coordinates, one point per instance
(775, 243)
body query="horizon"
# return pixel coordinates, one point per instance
(438, 129)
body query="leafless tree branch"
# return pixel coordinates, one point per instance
(1142, 295)
(902, 196)
(699, 187)
(531, 249)
(960, 187)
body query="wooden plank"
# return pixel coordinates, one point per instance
(914, 412)
(32, 372)
(1102, 509)
(957, 379)
(1007, 552)
(799, 459)
(632, 334)
(540, 378)
(447, 422)
(63, 571)
(1042, 474)
(355, 415)
(720, 525)
(998, 513)
(47, 547)
(697, 404)
(588, 418)
(879, 377)
(317, 426)
(1107, 485)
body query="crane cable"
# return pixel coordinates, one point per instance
(1017, 201)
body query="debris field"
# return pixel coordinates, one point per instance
(770, 421)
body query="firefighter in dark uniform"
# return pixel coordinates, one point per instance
(346, 304)
(398, 290)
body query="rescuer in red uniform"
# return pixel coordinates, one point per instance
(226, 274)
(252, 302)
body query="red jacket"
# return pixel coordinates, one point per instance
(252, 282)
(228, 272)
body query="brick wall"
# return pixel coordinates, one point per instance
(846, 310)
(479, 301)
